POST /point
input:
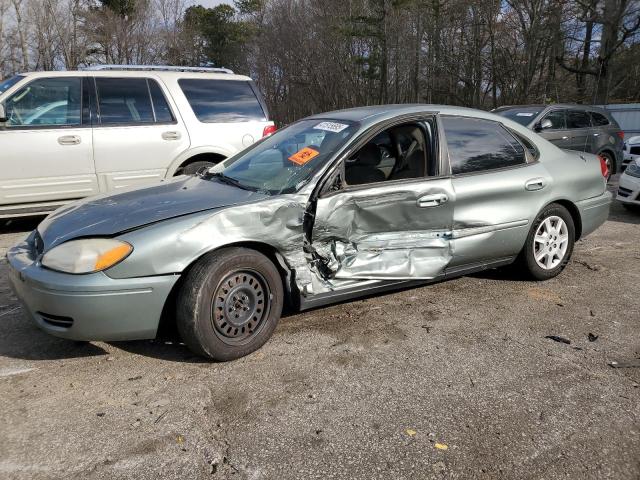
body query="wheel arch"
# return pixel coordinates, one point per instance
(198, 154)
(167, 325)
(573, 211)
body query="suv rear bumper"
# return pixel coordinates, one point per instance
(88, 307)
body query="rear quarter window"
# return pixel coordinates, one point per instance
(222, 101)
(599, 120)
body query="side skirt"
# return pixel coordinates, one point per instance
(382, 286)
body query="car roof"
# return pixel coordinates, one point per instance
(376, 113)
(576, 106)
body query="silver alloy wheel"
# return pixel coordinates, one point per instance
(550, 242)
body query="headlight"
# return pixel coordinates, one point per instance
(87, 255)
(633, 169)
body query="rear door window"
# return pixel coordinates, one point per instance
(477, 145)
(578, 119)
(123, 101)
(221, 101)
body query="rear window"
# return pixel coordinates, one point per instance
(218, 101)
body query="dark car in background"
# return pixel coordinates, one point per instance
(573, 127)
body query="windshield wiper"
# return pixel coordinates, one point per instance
(232, 181)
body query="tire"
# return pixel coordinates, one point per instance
(558, 251)
(229, 304)
(632, 207)
(193, 168)
(611, 164)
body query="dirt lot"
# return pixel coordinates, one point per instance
(454, 380)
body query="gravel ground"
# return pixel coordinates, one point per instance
(453, 380)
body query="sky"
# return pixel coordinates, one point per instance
(211, 3)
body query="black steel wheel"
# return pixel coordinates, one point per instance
(240, 305)
(229, 304)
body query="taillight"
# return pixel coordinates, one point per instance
(603, 166)
(621, 135)
(269, 130)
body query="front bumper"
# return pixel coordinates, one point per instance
(629, 190)
(594, 212)
(88, 307)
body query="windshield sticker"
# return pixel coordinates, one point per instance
(524, 114)
(304, 155)
(331, 126)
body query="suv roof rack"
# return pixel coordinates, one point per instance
(162, 68)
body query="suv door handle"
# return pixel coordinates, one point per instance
(534, 184)
(565, 138)
(171, 135)
(432, 200)
(69, 140)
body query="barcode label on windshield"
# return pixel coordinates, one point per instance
(331, 126)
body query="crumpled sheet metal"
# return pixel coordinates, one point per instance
(277, 222)
(358, 240)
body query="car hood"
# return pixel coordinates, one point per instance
(112, 214)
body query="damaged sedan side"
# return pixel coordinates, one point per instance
(332, 207)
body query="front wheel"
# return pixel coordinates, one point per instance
(229, 304)
(549, 244)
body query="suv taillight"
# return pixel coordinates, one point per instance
(603, 166)
(621, 135)
(269, 130)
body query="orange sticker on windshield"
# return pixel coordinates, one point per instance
(303, 156)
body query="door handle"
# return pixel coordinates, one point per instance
(432, 200)
(596, 134)
(565, 138)
(69, 140)
(171, 135)
(534, 184)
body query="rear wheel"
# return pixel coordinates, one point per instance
(230, 304)
(549, 244)
(609, 162)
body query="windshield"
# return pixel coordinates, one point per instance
(523, 116)
(9, 82)
(285, 161)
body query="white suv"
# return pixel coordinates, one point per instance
(68, 135)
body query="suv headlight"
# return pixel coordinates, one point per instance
(86, 255)
(633, 169)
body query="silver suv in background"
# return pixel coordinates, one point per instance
(573, 127)
(68, 135)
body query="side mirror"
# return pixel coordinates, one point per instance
(3, 115)
(544, 125)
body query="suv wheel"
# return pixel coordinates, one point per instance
(609, 162)
(229, 304)
(549, 244)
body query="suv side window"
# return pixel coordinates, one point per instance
(557, 119)
(578, 119)
(217, 101)
(598, 120)
(161, 108)
(476, 145)
(46, 102)
(123, 101)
